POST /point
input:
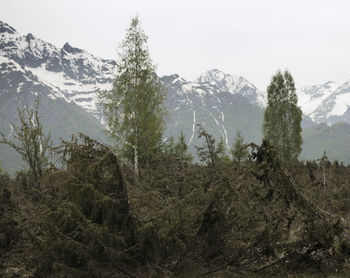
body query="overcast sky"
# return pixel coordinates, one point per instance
(250, 38)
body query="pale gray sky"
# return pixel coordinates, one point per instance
(251, 38)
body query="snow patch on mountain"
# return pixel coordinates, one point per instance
(11, 65)
(311, 97)
(193, 127)
(71, 73)
(341, 104)
(234, 85)
(327, 102)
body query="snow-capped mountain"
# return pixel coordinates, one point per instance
(234, 85)
(71, 73)
(328, 102)
(30, 67)
(74, 75)
(311, 97)
(68, 79)
(336, 107)
(220, 102)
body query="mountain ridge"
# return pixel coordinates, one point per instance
(221, 102)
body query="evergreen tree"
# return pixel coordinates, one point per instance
(169, 146)
(210, 153)
(181, 150)
(133, 108)
(239, 153)
(222, 151)
(282, 118)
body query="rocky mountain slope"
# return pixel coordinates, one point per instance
(21, 58)
(221, 103)
(71, 74)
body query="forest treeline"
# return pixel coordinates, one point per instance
(145, 208)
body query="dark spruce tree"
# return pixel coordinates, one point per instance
(181, 151)
(134, 107)
(282, 118)
(239, 151)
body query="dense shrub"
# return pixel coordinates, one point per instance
(93, 218)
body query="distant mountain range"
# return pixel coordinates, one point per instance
(328, 102)
(67, 80)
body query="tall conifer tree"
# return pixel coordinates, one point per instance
(133, 108)
(282, 118)
(239, 152)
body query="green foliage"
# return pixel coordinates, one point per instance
(181, 151)
(91, 218)
(57, 117)
(88, 227)
(261, 217)
(210, 153)
(30, 141)
(169, 146)
(9, 228)
(269, 215)
(133, 108)
(239, 152)
(282, 118)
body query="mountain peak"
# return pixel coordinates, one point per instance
(169, 78)
(330, 84)
(212, 75)
(70, 49)
(214, 71)
(5, 28)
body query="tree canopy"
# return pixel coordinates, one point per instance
(134, 107)
(282, 118)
